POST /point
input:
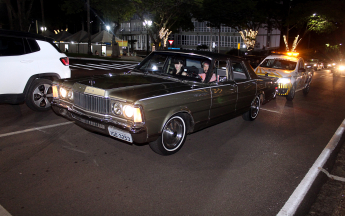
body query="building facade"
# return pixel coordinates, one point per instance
(228, 38)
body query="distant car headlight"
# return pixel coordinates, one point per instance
(117, 108)
(341, 67)
(334, 64)
(315, 65)
(329, 65)
(63, 92)
(284, 81)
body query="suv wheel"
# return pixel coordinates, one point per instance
(40, 95)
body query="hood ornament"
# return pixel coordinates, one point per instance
(92, 82)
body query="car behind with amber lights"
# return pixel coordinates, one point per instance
(291, 73)
(155, 104)
(29, 63)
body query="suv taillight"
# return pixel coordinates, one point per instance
(65, 61)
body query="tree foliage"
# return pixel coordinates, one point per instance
(19, 13)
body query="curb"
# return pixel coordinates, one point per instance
(305, 194)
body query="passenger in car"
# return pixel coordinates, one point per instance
(207, 75)
(178, 70)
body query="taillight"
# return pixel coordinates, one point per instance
(65, 61)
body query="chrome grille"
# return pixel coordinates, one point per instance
(91, 103)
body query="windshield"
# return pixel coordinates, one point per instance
(279, 64)
(181, 66)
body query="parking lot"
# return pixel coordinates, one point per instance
(50, 166)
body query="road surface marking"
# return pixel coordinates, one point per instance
(270, 110)
(34, 129)
(3, 212)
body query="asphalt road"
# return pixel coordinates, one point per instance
(50, 166)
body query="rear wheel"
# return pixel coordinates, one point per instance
(253, 112)
(172, 137)
(40, 95)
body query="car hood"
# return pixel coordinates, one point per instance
(272, 72)
(130, 87)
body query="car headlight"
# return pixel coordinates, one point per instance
(133, 112)
(315, 65)
(55, 91)
(128, 111)
(341, 67)
(117, 108)
(284, 81)
(63, 92)
(70, 95)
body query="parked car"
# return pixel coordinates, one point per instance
(315, 64)
(164, 98)
(339, 68)
(29, 63)
(291, 71)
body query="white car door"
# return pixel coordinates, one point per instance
(16, 66)
(301, 75)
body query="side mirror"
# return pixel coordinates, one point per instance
(301, 70)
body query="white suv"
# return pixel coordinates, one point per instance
(29, 63)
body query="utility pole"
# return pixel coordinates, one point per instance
(88, 28)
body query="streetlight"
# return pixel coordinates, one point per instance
(147, 24)
(108, 28)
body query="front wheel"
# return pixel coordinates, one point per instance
(253, 112)
(172, 137)
(306, 89)
(40, 95)
(292, 93)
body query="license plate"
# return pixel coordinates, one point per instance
(123, 135)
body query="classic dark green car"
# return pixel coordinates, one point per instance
(165, 97)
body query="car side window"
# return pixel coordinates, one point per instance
(301, 64)
(190, 66)
(221, 70)
(154, 64)
(33, 45)
(239, 72)
(11, 46)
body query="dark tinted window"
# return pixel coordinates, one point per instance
(33, 45)
(11, 46)
(26, 46)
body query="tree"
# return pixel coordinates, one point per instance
(115, 11)
(165, 14)
(19, 13)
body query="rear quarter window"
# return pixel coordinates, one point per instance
(33, 45)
